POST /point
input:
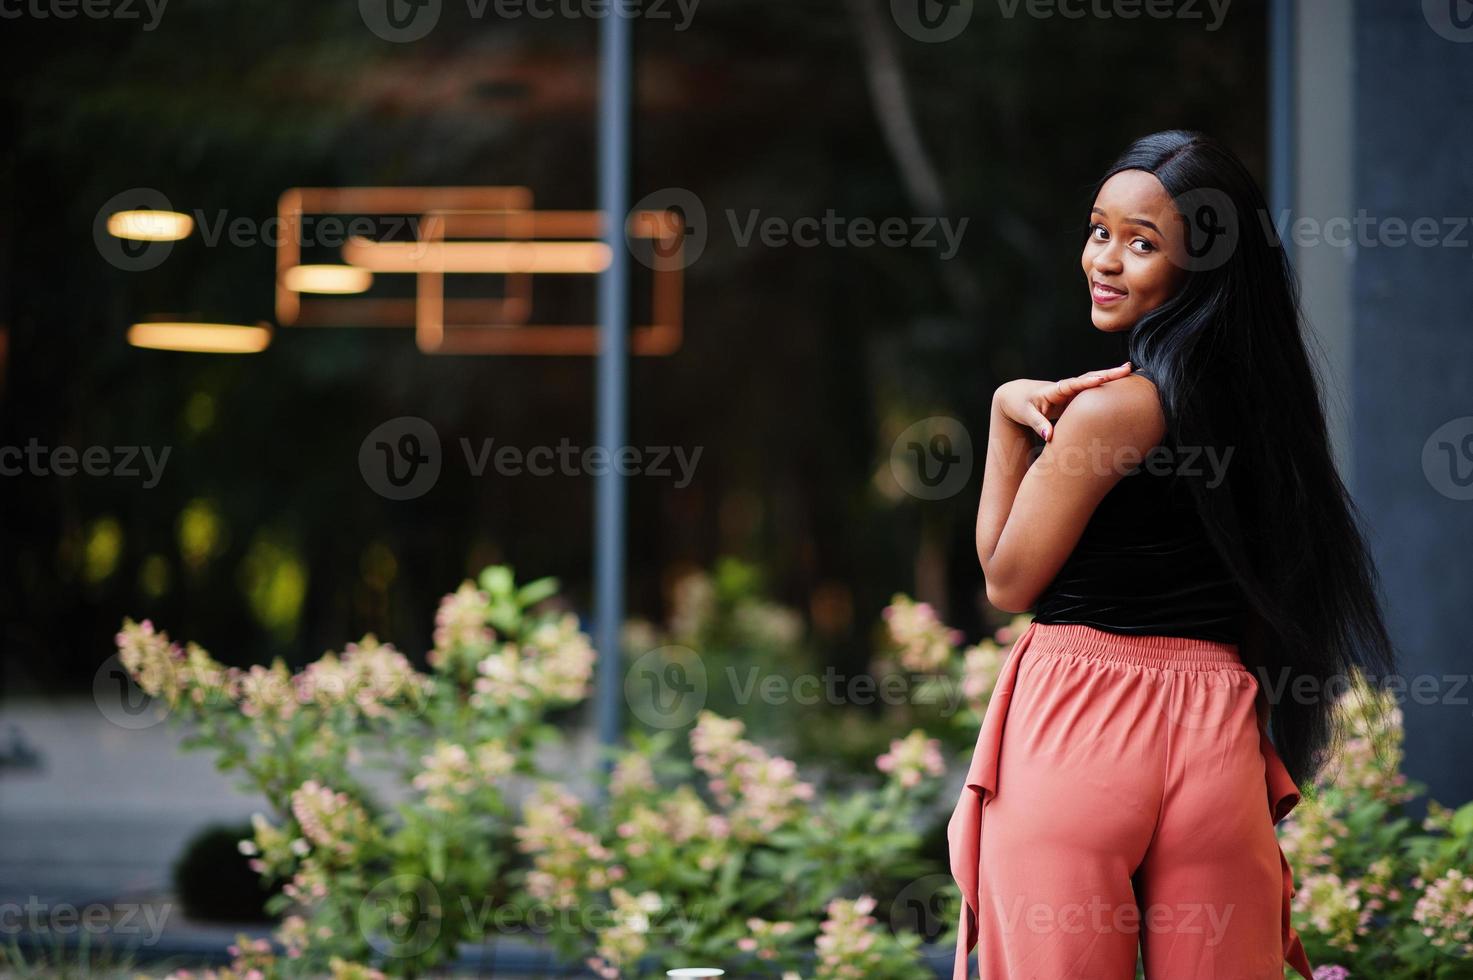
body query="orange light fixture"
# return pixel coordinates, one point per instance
(203, 338)
(150, 226)
(539, 257)
(306, 213)
(329, 280)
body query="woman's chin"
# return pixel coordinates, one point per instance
(1108, 321)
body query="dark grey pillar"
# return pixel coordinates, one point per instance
(1411, 364)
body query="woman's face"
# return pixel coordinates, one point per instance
(1134, 258)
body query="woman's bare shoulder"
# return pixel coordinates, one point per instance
(1125, 411)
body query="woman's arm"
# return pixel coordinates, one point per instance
(1018, 408)
(1031, 517)
(1008, 446)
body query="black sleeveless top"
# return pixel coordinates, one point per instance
(1144, 563)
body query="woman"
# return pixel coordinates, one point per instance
(1190, 555)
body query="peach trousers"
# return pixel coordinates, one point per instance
(1122, 801)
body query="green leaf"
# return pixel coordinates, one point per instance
(537, 590)
(497, 581)
(504, 616)
(1463, 820)
(729, 874)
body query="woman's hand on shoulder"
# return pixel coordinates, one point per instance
(1124, 417)
(1036, 404)
(1106, 431)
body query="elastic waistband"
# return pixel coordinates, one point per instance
(1175, 652)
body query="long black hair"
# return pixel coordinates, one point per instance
(1229, 355)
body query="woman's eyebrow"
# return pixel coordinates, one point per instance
(1131, 221)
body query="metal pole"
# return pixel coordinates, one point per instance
(613, 317)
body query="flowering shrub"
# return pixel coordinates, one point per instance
(254, 959)
(722, 629)
(1374, 897)
(364, 880)
(949, 681)
(725, 608)
(726, 855)
(737, 876)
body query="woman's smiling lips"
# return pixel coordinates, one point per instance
(1105, 295)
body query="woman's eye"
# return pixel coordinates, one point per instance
(1094, 229)
(1145, 245)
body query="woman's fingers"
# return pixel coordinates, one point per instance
(1036, 420)
(1040, 423)
(1072, 386)
(1060, 394)
(1093, 378)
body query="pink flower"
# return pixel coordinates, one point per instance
(912, 758)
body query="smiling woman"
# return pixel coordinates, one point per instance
(1133, 698)
(1135, 258)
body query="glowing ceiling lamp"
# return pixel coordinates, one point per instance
(204, 338)
(150, 226)
(336, 280)
(544, 257)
